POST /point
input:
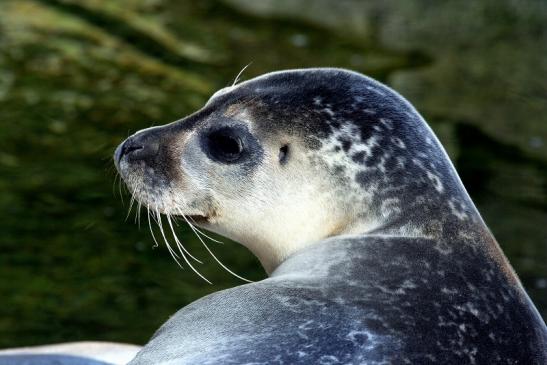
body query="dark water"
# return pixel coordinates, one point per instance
(77, 77)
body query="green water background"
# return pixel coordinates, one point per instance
(77, 77)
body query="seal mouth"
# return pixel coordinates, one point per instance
(198, 219)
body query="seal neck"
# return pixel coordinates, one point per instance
(342, 257)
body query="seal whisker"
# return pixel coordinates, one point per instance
(196, 230)
(120, 188)
(222, 265)
(204, 234)
(212, 254)
(138, 214)
(131, 202)
(182, 252)
(240, 73)
(150, 227)
(116, 177)
(177, 241)
(173, 253)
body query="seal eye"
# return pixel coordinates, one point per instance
(224, 145)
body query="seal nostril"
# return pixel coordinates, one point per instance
(128, 149)
(138, 147)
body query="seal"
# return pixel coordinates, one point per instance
(374, 250)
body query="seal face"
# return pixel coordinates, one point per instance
(375, 251)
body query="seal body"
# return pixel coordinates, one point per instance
(356, 300)
(375, 251)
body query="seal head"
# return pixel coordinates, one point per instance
(289, 158)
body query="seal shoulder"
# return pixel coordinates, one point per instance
(367, 300)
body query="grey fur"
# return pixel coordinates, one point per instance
(427, 284)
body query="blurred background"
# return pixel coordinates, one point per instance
(78, 76)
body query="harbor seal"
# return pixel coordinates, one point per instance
(375, 252)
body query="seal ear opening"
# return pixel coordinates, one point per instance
(283, 154)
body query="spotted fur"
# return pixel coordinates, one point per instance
(376, 252)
